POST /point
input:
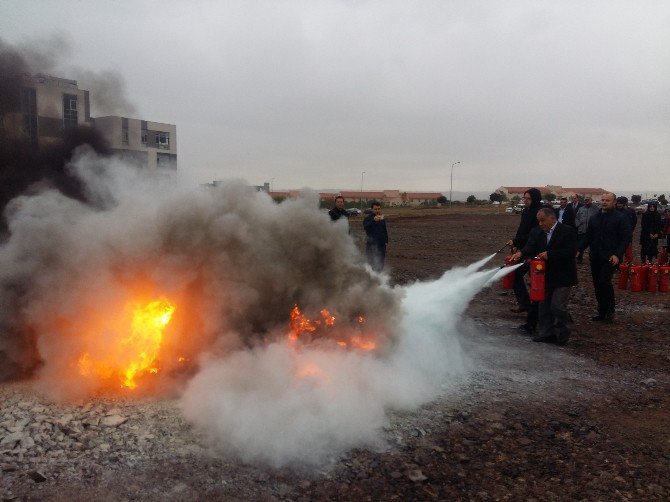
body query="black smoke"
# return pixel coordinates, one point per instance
(23, 166)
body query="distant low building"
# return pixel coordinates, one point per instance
(556, 190)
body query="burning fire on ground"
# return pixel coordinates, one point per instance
(300, 326)
(133, 354)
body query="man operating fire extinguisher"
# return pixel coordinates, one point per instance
(556, 244)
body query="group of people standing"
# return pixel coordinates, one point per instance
(560, 237)
(376, 235)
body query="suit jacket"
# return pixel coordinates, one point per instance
(375, 230)
(608, 234)
(568, 216)
(561, 251)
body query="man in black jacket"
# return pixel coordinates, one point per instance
(608, 235)
(532, 200)
(565, 213)
(376, 237)
(556, 244)
(338, 211)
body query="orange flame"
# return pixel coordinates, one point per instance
(299, 325)
(135, 354)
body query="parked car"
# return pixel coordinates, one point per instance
(353, 211)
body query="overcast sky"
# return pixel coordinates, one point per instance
(313, 93)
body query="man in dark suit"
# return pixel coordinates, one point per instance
(565, 214)
(574, 202)
(556, 244)
(376, 237)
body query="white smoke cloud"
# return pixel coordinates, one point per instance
(278, 406)
(234, 263)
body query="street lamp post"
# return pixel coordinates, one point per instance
(451, 186)
(362, 190)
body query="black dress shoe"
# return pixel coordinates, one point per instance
(519, 310)
(545, 339)
(598, 318)
(524, 328)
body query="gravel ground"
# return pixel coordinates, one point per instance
(529, 421)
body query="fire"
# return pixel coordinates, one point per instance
(134, 353)
(300, 325)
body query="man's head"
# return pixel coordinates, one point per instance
(574, 199)
(546, 218)
(563, 202)
(607, 201)
(588, 201)
(621, 202)
(339, 202)
(376, 207)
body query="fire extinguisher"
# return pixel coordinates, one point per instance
(635, 276)
(537, 270)
(663, 278)
(508, 280)
(624, 268)
(652, 278)
(628, 257)
(644, 271)
(663, 256)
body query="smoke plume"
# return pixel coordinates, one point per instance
(234, 264)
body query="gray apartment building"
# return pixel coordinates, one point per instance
(39, 109)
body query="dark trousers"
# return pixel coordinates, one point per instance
(553, 312)
(601, 272)
(376, 253)
(648, 250)
(520, 289)
(580, 242)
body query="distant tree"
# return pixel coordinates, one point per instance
(549, 197)
(495, 197)
(471, 199)
(662, 200)
(441, 199)
(278, 198)
(516, 199)
(635, 199)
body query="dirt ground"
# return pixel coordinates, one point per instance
(590, 421)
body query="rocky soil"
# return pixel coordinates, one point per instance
(530, 421)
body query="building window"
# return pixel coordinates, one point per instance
(70, 110)
(145, 136)
(29, 111)
(163, 140)
(124, 130)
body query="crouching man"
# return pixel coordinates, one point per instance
(556, 243)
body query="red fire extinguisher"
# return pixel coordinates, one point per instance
(624, 268)
(652, 278)
(635, 275)
(537, 270)
(644, 271)
(663, 256)
(628, 257)
(508, 280)
(663, 278)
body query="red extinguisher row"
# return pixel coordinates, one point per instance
(647, 277)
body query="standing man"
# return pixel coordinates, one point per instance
(574, 202)
(556, 243)
(565, 214)
(532, 200)
(651, 228)
(338, 211)
(608, 235)
(582, 223)
(376, 237)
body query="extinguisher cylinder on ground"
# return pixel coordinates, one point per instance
(663, 278)
(624, 269)
(652, 278)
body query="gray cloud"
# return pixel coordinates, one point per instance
(314, 93)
